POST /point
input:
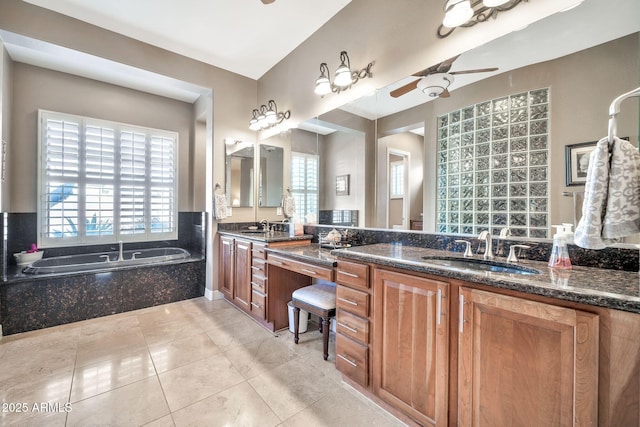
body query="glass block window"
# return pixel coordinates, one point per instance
(493, 166)
(101, 182)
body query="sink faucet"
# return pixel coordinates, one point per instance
(512, 253)
(467, 250)
(120, 257)
(488, 251)
(265, 225)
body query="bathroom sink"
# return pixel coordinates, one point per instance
(481, 265)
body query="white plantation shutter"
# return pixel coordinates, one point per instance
(103, 182)
(304, 183)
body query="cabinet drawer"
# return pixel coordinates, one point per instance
(258, 251)
(352, 359)
(353, 274)
(258, 285)
(301, 267)
(258, 264)
(258, 303)
(353, 301)
(352, 326)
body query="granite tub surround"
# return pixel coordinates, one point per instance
(616, 258)
(613, 289)
(35, 302)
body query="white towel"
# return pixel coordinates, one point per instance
(220, 206)
(289, 206)
(611, 208)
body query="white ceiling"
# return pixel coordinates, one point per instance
(242, 36)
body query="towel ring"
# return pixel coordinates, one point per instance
(614, 110)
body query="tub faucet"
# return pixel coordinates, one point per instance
(120, 257)
(488, 251)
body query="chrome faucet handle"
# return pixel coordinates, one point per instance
(488, 243)
(467, 251)
(512, 252)
(505, 232)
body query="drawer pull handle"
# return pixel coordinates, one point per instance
(308, 271)
(346, 273)
(348, 301)
(257, 285)
(349, 361)
(256, 305)
(347, 327)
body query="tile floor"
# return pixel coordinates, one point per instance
(194, 362)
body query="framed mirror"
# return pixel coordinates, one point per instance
(271, 182)
(239, 177)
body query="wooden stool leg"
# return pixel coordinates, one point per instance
(325, 337)
(296, 323)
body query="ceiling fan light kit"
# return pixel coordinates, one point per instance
(344, 77)
(467, 13)
(435, 84)
(267, 116)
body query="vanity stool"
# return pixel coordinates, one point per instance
(318, 299)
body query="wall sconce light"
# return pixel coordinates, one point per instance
(344, 77)
(267, 116)
(467, 13)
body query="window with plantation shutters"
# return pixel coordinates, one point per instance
(305, 184)
(102, 182)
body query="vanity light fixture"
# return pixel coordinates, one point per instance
(267, 116)
(344, 77)
(467, 13)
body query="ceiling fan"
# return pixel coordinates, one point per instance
(435, 80)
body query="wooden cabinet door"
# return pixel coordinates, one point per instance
(242, 275)
(226, 266)
(525, 363)
(411, 352)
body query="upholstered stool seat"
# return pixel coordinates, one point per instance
(318, 299)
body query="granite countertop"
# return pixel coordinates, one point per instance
(614, 289)
(312, 253)
(261, 236)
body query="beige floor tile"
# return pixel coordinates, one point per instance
(256, 357)
(107, 346)
(132, 405)
(160, 314)
(167, 356)
(48, 418)
(342, 408)
(37, 358)
(183, 326)
(293, 386)
(238, 406)
(238, 333)
(190, 383)
(104, 326)
(218, 318)
(166, 421)
(107, 375)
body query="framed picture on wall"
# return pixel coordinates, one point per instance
(577, 162)
(342, 185)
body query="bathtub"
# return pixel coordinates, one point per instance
(105, 260)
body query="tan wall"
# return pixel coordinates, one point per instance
(398, 35)
(37, 88)
(6, 92)
(582, 88)
(234, 96)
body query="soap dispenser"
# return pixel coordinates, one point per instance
(568, 232)
(560, 253)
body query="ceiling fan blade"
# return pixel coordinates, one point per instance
(404, 89)
(442, 67)
(479, 70)
(445, 66)
(445, 94)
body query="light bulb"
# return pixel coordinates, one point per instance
(323, 86)
(343, 76)
(457, 13)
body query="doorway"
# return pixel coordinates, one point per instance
(398, 200)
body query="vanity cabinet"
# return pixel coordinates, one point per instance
(353, 321)
(523, 362)
(411, 353)
(235, 271)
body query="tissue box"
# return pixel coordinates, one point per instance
(24, 258)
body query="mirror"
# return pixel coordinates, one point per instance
(239, 160)
(270, 183)
(560, 53)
